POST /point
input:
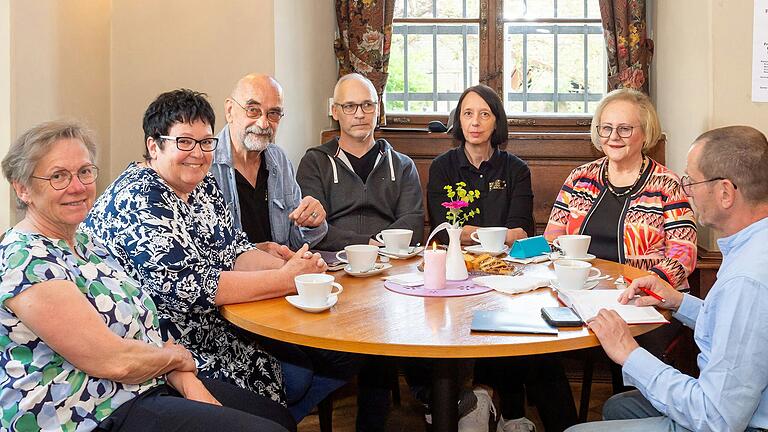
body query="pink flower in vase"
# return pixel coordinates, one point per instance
(455, 205)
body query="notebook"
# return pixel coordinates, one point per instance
(587, 303)
(508, 321)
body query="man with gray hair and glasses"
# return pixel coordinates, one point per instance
(364, 183)
(726, 178)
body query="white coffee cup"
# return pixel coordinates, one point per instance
(361, 258)
(395, 240)
(573, 245)
(573, 274)
(490, 238)
(315, 289)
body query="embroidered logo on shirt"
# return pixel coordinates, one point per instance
(497, 185)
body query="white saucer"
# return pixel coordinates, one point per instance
(294, 300)
(588, 285)
(412, 251)
(478, 250)
(378, 268)
(587, 257)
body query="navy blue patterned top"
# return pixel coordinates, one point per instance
(177, 251)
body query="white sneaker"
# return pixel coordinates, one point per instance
(517, 425)
(478, 419)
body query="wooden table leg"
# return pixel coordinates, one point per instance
(445, 416)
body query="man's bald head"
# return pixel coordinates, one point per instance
(254, 80)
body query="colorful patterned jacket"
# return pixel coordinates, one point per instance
(659, 226)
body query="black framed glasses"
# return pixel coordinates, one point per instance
(368, 107)
(254, 112)
(188, 144)
(686, 182)
(61, 179)
(624, 131)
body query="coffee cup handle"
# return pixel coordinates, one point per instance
(339, 258)
(337, 285)
(598, 273)
(379, 238)
(556, 243)
(474, 236)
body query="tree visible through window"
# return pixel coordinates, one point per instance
(542, 56)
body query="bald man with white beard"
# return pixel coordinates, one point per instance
(255, 175)
(258, 183)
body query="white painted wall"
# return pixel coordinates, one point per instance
(59, 68)
(164, 45)
(6, 202)
(701, 74)
(304, 34)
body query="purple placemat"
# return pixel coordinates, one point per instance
(452, 289)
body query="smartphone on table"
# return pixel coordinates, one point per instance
(561, 317)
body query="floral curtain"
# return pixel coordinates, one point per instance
(363, 42)
(629, 49)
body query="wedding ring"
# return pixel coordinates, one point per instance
(313, 215)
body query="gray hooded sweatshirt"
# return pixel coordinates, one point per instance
(390, 198)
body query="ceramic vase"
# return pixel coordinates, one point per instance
(455, 269)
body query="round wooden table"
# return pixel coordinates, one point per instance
(370, 319)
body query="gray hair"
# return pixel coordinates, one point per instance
(649, 119)
(739, 154)
(24, 154)
(354, 76)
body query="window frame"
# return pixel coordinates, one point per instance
(491, 44)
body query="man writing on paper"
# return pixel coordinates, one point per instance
(726, 180)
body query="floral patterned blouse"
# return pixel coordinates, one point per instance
(39, 389)
(177, 251)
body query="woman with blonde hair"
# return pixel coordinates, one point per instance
(633, 207)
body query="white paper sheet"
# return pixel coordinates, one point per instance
(760, 52)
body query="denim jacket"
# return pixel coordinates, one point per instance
(284, 193)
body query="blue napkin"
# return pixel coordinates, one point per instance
(529, 247)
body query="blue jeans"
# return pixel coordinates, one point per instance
(310, 374)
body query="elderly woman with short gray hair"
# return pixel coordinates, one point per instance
(114, 372)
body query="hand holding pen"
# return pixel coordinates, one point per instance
(651, 291)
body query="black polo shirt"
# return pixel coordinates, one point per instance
(504, 182)
(254, 205)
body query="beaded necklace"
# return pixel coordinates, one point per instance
(626, 192)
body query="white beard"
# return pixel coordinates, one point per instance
(257, 139)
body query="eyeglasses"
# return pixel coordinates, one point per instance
(605, 131)
(188, 144)
(254, 112)
(686, 183)
(351, 108)
(61, 179)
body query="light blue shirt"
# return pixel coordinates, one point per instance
(284, 193)
(731, 330)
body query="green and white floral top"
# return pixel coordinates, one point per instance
(39, 389)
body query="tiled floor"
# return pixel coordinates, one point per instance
(408, 417)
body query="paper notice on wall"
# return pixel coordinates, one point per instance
(760, 52)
